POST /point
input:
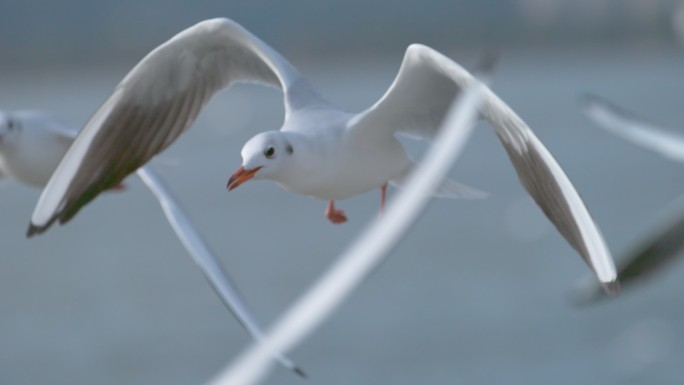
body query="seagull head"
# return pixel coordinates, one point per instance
(265, 156)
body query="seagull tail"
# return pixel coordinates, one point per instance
(450, 189)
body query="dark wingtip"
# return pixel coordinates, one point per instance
(33, 230)
(39, 229)
(301, 373)
(611, 288)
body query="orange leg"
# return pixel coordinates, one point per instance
(335, 216)
(383, 195)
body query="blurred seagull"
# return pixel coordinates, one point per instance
(31, 145)
(666, 242)
(320, 150)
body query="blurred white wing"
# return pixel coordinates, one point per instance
(416, 104)
(206, 261)
(372, 246)
(633, 129)
(158, 100)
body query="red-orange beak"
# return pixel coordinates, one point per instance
(241, 176)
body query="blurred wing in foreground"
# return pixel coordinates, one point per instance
(206, 261)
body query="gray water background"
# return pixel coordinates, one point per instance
(477, 293)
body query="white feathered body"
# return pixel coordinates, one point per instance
(330, 162)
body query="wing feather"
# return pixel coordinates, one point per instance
(417, 102)
(157, 101)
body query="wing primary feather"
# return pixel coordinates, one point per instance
(175, 117)
(106, 166)
(551, 189)
(142, 142)
(52, 199)
(158, 139)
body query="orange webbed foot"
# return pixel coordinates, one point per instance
(335, 216)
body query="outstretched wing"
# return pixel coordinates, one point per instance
(416, 104)
(633, 129)
(158, 100)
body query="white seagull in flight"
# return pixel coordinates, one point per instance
(320, 150)
(31, 145)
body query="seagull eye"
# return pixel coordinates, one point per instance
(269, 152)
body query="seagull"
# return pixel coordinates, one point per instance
(320, 150)
(666, 241)
(32, 143)
(369, 249)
